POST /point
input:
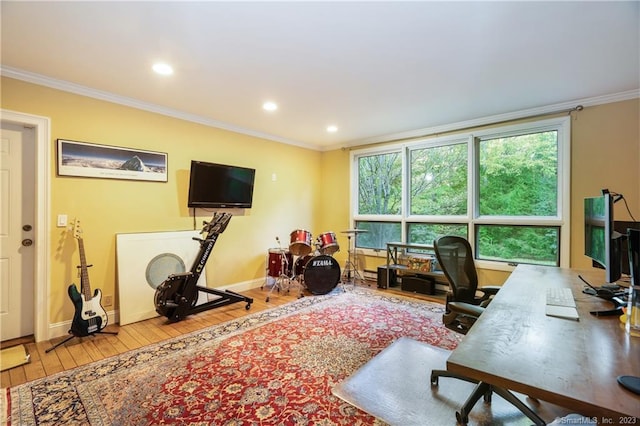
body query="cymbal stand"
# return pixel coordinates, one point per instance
(350, 266)
(298, 279)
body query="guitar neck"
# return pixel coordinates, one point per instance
(84, 273)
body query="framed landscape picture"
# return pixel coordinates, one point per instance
(110, 162)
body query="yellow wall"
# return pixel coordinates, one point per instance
(107, 207)
(605, 153)
(333, 210)
(311, 190)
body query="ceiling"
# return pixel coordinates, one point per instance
(376, 70)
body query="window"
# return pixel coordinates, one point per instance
(439, 180)
(518, 177)
(378, 234)
(505, 189)
(380, 184)
(379, 188)
(518, 244)
(425, 233)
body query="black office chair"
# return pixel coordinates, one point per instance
(463, 307)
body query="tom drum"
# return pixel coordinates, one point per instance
(328, 243)
(321, 274)
(300, 242)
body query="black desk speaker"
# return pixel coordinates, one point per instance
(382, 277)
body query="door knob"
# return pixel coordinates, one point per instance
(27, 242)
(27, 228)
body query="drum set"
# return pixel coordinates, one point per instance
(310, 264)
(305, 264)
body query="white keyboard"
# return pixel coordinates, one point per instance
(560, 303)
(560, 297)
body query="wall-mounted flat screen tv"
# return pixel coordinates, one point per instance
(214, 185)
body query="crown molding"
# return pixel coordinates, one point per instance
(77, 89)
(499, 118)
(411, 134)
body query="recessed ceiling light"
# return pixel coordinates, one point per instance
(269, 106)
(163, 69)
(332, 129)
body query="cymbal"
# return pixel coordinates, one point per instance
(354, 231)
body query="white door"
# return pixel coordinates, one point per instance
(17, 215)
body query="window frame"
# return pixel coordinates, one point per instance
(472, 218)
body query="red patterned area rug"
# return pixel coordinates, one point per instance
(272, 367)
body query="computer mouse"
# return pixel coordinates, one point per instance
(590, 291)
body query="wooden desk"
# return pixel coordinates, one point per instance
(573, 364)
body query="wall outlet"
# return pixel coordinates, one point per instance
(107, 300)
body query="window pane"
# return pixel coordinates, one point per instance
(380, 184)
(519, 244)
(380, 233)
(439, 180)
(426, 233)
(519, 175)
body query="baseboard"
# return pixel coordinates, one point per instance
(244, 285)
(62, 328)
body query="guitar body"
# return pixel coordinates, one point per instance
(90, 317)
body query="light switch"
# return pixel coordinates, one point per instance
(62, 220)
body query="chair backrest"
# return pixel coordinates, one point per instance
(456, 260)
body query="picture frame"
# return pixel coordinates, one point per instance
(85, 159)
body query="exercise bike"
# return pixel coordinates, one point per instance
(177, 296)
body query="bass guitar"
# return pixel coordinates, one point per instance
(90, 317)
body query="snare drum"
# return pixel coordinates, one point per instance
(321, 274)
(328, 243)
(300, 243)
(275, 262)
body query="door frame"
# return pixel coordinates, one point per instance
(42, 127)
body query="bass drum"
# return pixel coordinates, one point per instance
(321, 274)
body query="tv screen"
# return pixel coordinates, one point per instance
(214, 185)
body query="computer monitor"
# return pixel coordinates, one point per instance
(602, 243)
(633, 237)
(622, 227)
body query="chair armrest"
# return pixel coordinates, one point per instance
(490, 289)
(466, 308)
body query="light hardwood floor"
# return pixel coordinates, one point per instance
(81, 351)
